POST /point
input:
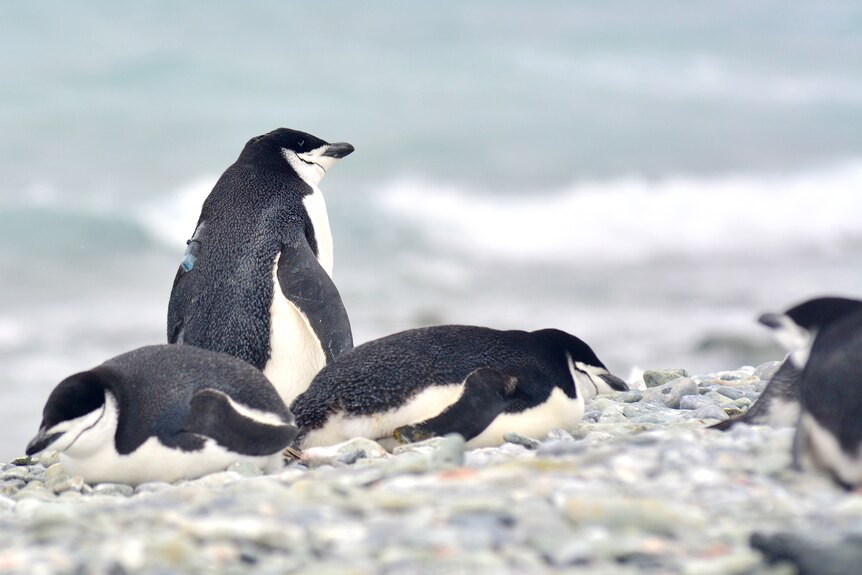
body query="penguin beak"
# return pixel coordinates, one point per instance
(42, 441)
(614, 382)
(338, 150)
(771, 320)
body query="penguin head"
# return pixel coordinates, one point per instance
(291, 151)
(79, 416)
(590, 375)
(796, 328)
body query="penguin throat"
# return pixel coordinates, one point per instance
(307, 166)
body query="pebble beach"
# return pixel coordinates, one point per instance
(640, 486)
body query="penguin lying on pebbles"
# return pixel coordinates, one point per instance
(255, 281)
(476, 381)
(163, 413)
(825, 340)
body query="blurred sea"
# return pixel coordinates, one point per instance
(648, 176)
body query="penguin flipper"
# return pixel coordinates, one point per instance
(486, 394)
(306, 285)
(238, 428)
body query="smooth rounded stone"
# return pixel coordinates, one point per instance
(114, 489)
(449, 452)
(630, 396)
(730, 392)
(656, 378)
(670, 394)
(694, 402)
(742, 402)
(635, 411)
(718, 398)
(521, 440)
(711, 411)
(23, 460)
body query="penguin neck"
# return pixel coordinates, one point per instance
(315, 207)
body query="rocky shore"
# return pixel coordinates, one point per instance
(640, 486)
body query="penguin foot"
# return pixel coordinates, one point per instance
(410, 434)
(291, 454)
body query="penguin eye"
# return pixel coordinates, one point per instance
(300, 143)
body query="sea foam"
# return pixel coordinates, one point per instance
(635, 218)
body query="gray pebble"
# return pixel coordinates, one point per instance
(631, 396)
(655, 378)
(695, 402)
(670, 394)
(521, 440)
(730, 392)
(709, 412)
(449, 452)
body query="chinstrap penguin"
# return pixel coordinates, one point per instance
(255, 281)
(163, 413)
(476, 381)
(825, 337)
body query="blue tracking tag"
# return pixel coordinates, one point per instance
(188, 261)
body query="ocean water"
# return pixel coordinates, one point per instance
(649, 177)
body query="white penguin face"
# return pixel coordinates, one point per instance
(795, 339)
(590, 380)
(312, 166)
(81, 435)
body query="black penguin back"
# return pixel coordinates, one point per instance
(385, 373)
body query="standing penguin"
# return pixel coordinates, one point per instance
(255, 281)
(162, 413)
(825, 340)
(476, 381)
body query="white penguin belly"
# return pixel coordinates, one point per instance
(295, 352)
(559, 410)
(153, 461)
(424, 405)
(826, 452)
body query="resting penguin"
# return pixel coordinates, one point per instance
(479, 382)
(255, 281)
(825, 335)
(162, 413)
(778, 404)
